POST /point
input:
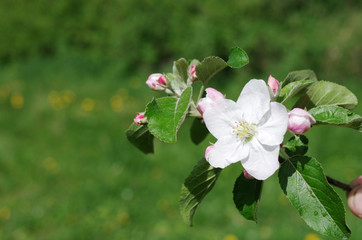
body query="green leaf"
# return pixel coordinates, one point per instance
(200, 182)
(198, 131)
(209, 67)
(337, 116)
(304, 183)
(247, 194)
(194, 62)
(165, 115)
(297, 145)
(301, 75)
(238, 58)
(327, 93)
(140, 137)
(293, 89)
(180, 68)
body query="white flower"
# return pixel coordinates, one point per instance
(249, 130)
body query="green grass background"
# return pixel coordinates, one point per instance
(72, 78)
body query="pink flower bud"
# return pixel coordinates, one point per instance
(247, 175)
(354, 200)
(300, 121)
(207, 152)
(140, 119)
(212, 95)
(274, 87)
(157, 81)
(192, 70)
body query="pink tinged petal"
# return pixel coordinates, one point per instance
(207, 152)
(302, 113)
(214, 94)
(355, 197)
(220, 117)
(162, 80)
(203, 104)
(274, 126)
(254, 100)
(262, 161)
(354, 201)
(226, 152)
(274, 85)
(140, 119)
(192, 71)
(300, 121)
(153, 82)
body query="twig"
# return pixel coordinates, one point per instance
(339, 184)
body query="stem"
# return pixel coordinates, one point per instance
(330, 180)
(339, 184)
(193, 112)
(201, 92)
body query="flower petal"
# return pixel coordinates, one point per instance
(262, 161)
(254, 100)
(274, 125)
(220, 116)
(228, 151)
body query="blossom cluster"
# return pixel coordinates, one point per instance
(249, 130)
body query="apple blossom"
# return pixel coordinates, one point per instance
(157, 82)
(140, 119)
(212, 95)
(355, 197)
(300, 121)
(249, 130)
(274, 87)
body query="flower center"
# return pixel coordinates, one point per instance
(244, 130)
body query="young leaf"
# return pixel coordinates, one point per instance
(165, 115)
(247, 194)
(194, 62)
(180, 70)
(293, 89)
(301, 75)
(140, 137)
(209, 67)
(198, 131)
(238, 58)
(304, 183)
(200, 182)
(297, 145)
(327, 93)
(176, 84)
(337, 116)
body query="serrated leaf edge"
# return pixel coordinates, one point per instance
(344, 210)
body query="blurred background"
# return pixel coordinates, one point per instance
(72, 78)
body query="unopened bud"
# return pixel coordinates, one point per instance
(247, 175)
(354, 200)
(207, 152)
(192, 70)
(300, 121)
(140, 119)
(274, 87)
(212, 95)
(157, 82)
